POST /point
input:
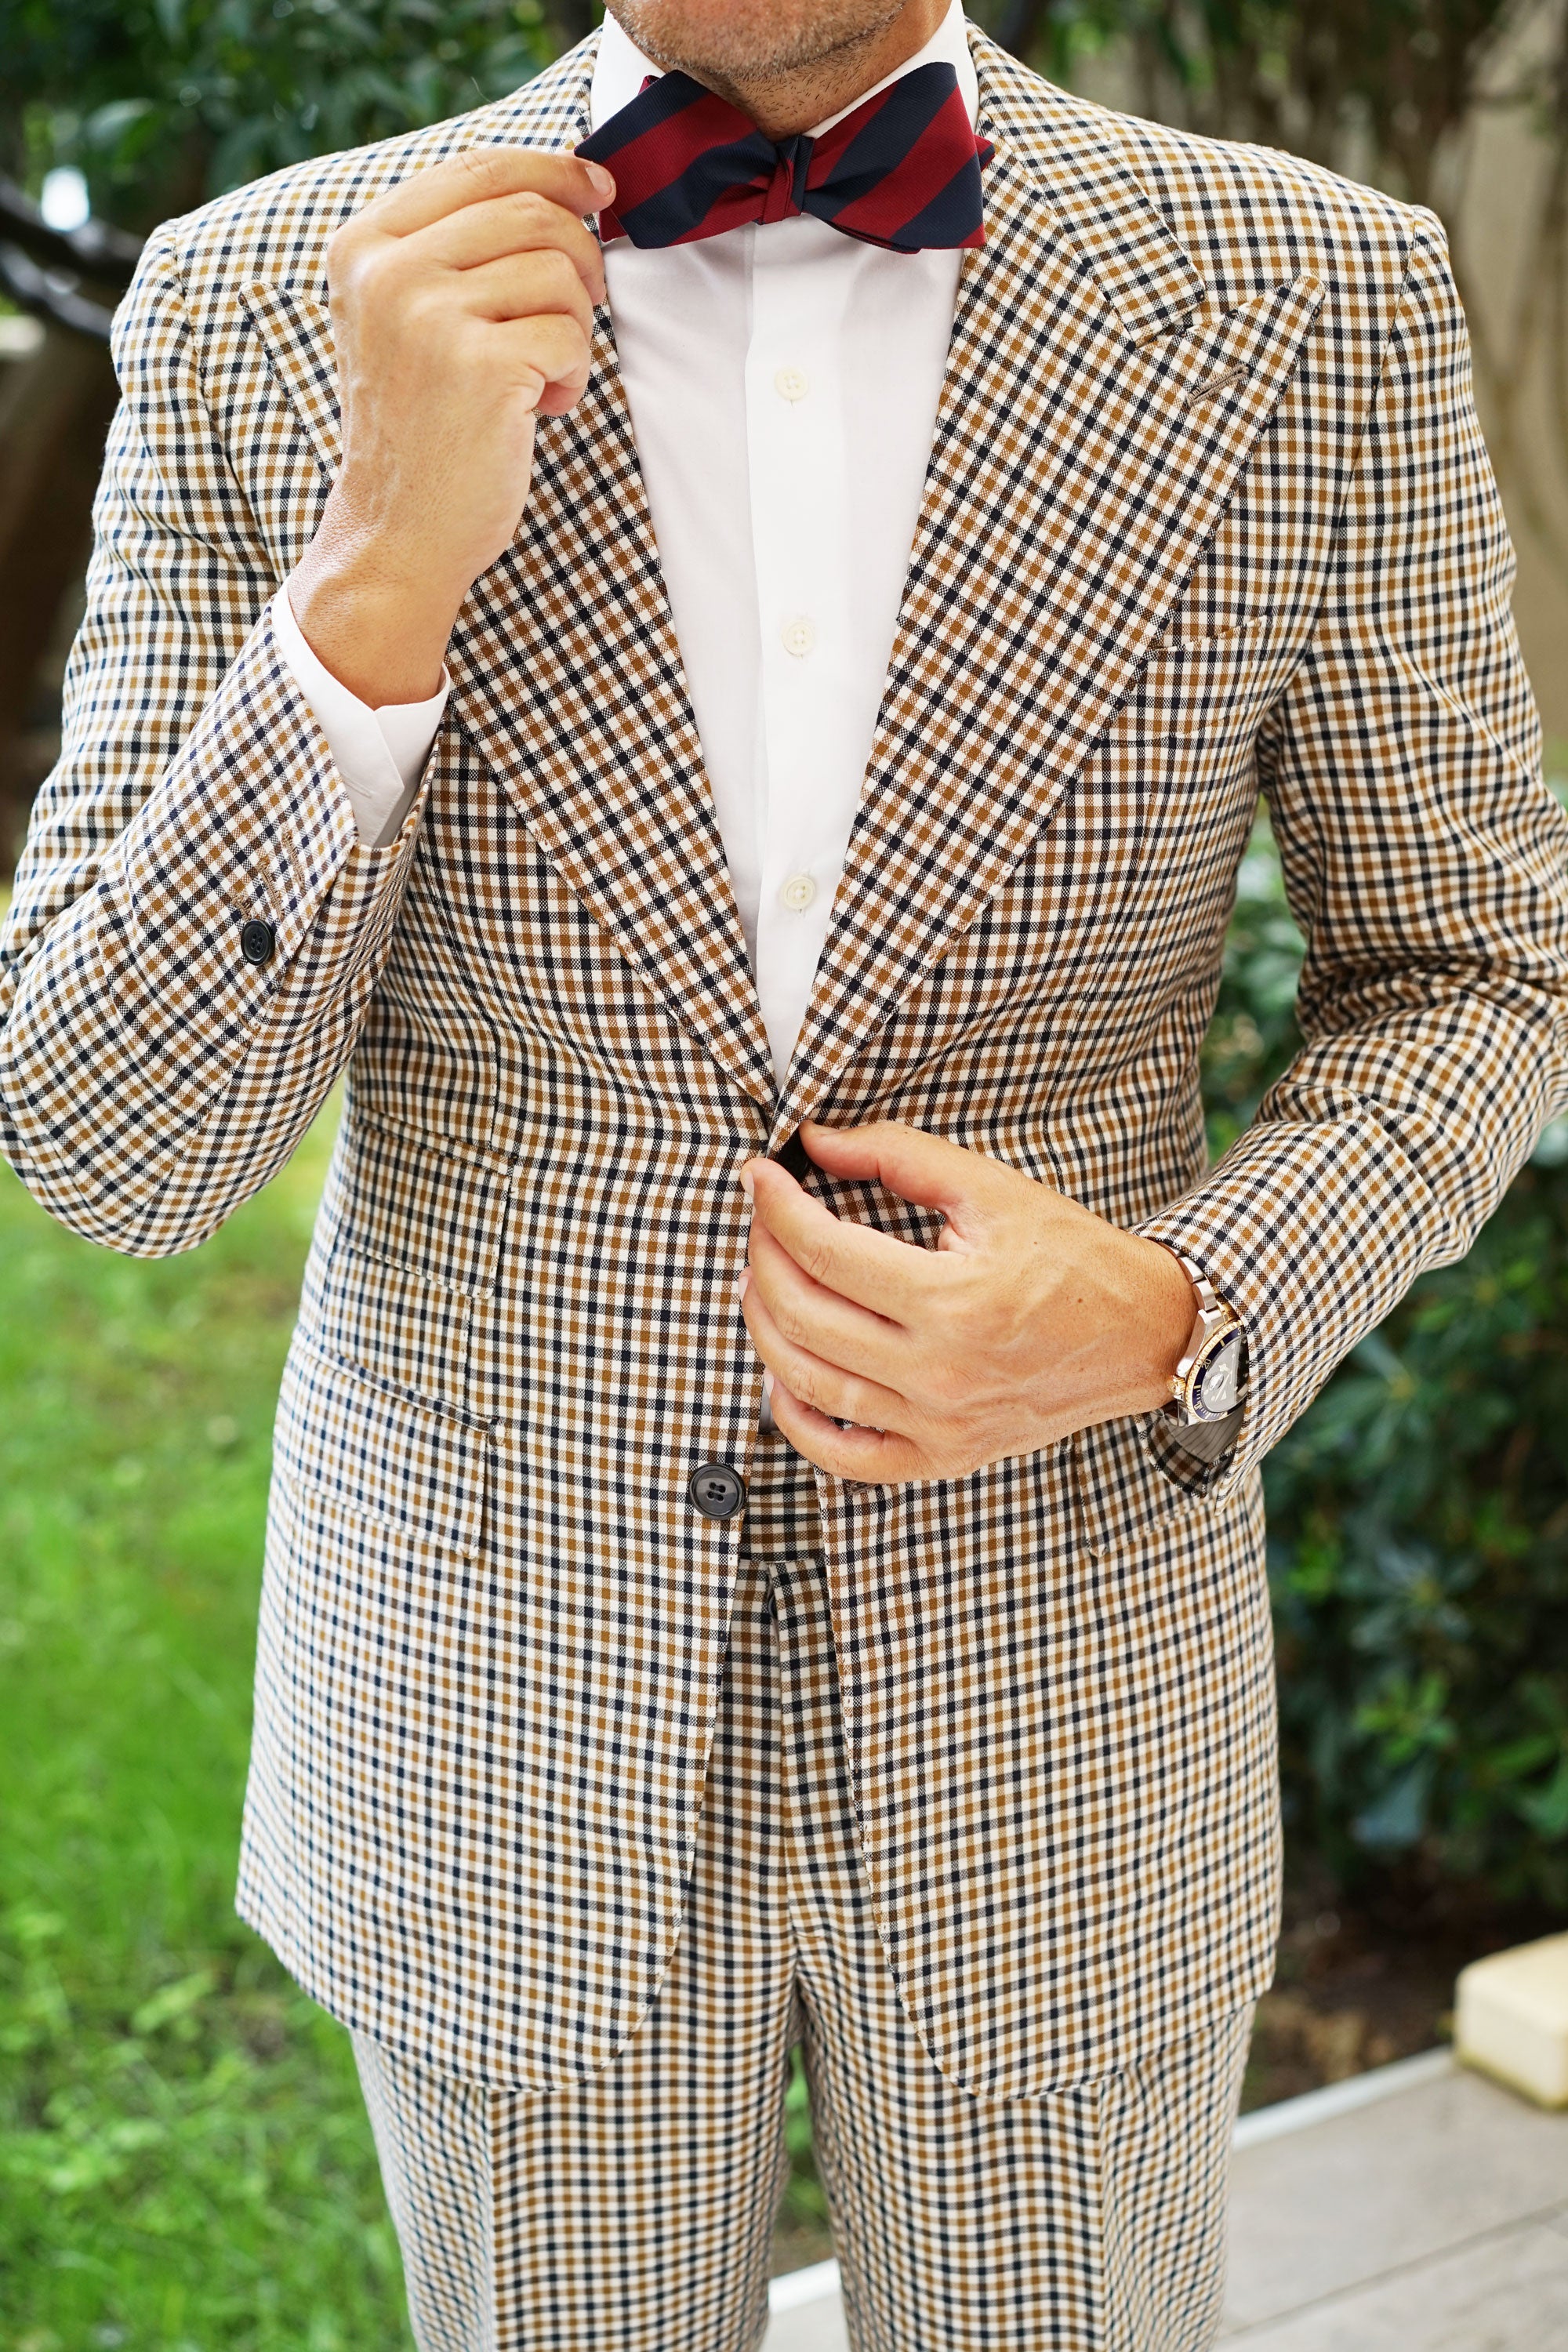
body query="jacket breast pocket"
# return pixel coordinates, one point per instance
(407, 1264)
(1203, 695)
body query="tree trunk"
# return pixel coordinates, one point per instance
(570, 20)
(55, 409)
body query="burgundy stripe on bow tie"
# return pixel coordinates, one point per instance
(901, 171)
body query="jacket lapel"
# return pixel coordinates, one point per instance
(1093, 423)
(296, 334)
(1094, 420)
(566, 672)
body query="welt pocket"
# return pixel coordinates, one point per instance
(1248, 631)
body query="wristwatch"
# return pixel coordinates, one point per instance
(1210, 1381)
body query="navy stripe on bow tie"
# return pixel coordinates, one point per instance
(902, 170)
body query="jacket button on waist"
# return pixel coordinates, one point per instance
(716, 1490)
(256, 941)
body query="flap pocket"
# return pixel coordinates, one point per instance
(1199, 690)
(377, 1457)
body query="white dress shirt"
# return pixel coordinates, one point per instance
(784, 383)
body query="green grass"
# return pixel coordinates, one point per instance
(185, 2161)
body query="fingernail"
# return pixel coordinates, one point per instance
(748, 1185)
(603, 183)
(744, 1283)
(768, 1386)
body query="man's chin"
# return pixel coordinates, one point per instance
(729, 41)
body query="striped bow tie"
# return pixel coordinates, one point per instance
(901, 171)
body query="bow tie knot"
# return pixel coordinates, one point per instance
(901, 170)
(785, 191)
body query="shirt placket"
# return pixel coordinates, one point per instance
(796, 444)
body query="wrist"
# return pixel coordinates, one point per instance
(372, 615)
(1172, 1316)
(1143, 1321)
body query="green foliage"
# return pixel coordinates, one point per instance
(162, 102)
(1419, 1521)
(805, 2202)
(184, 2158)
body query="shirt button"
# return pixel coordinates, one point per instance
(256, 941)
(792, 384)
(799, 637)
(798, 893)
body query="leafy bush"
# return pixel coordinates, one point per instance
(1418, 1520)
(162, 102)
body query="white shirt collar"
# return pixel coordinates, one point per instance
(620, 69)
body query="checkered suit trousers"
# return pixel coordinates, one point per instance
(633, 2212)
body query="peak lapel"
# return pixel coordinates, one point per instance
(1074, 477)
(566, 672)
(567, 676)
(296, 332)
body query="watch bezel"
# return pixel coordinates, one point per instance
(1202, 1362)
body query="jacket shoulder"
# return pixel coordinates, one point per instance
(1247, 216)
(1248, 213)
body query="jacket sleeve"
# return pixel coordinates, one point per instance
(151, 1078)
(1423, 859)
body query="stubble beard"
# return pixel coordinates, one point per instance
(742, 45)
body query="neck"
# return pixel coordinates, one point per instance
(790, 97)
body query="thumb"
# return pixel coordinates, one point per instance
(925, 1168)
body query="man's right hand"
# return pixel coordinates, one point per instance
(462, 307)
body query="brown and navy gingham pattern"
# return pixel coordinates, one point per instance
(633, 2212)
(1208, 510)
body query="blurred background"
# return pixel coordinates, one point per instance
(183, 2159)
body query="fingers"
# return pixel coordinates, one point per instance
(888, 1277)
(476, 176)
(815, 1318)
(870, 1456)
(925, 1169)
(528, 286)
(551, 359)
(815, 1380)
(524, 222)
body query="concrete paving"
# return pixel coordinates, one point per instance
(1416, 2208)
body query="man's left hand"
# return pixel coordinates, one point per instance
(1031, 1318)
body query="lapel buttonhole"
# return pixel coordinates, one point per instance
(1213, 383)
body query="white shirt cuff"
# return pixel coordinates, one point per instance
(380, 755)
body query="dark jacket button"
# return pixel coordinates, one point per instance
(716, 1490)
(256, 941)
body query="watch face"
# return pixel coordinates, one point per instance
(1218, 1385)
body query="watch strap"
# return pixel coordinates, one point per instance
(1213, 1320)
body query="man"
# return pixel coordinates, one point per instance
(748, 776)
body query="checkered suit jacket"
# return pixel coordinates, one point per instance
(1207, 511)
